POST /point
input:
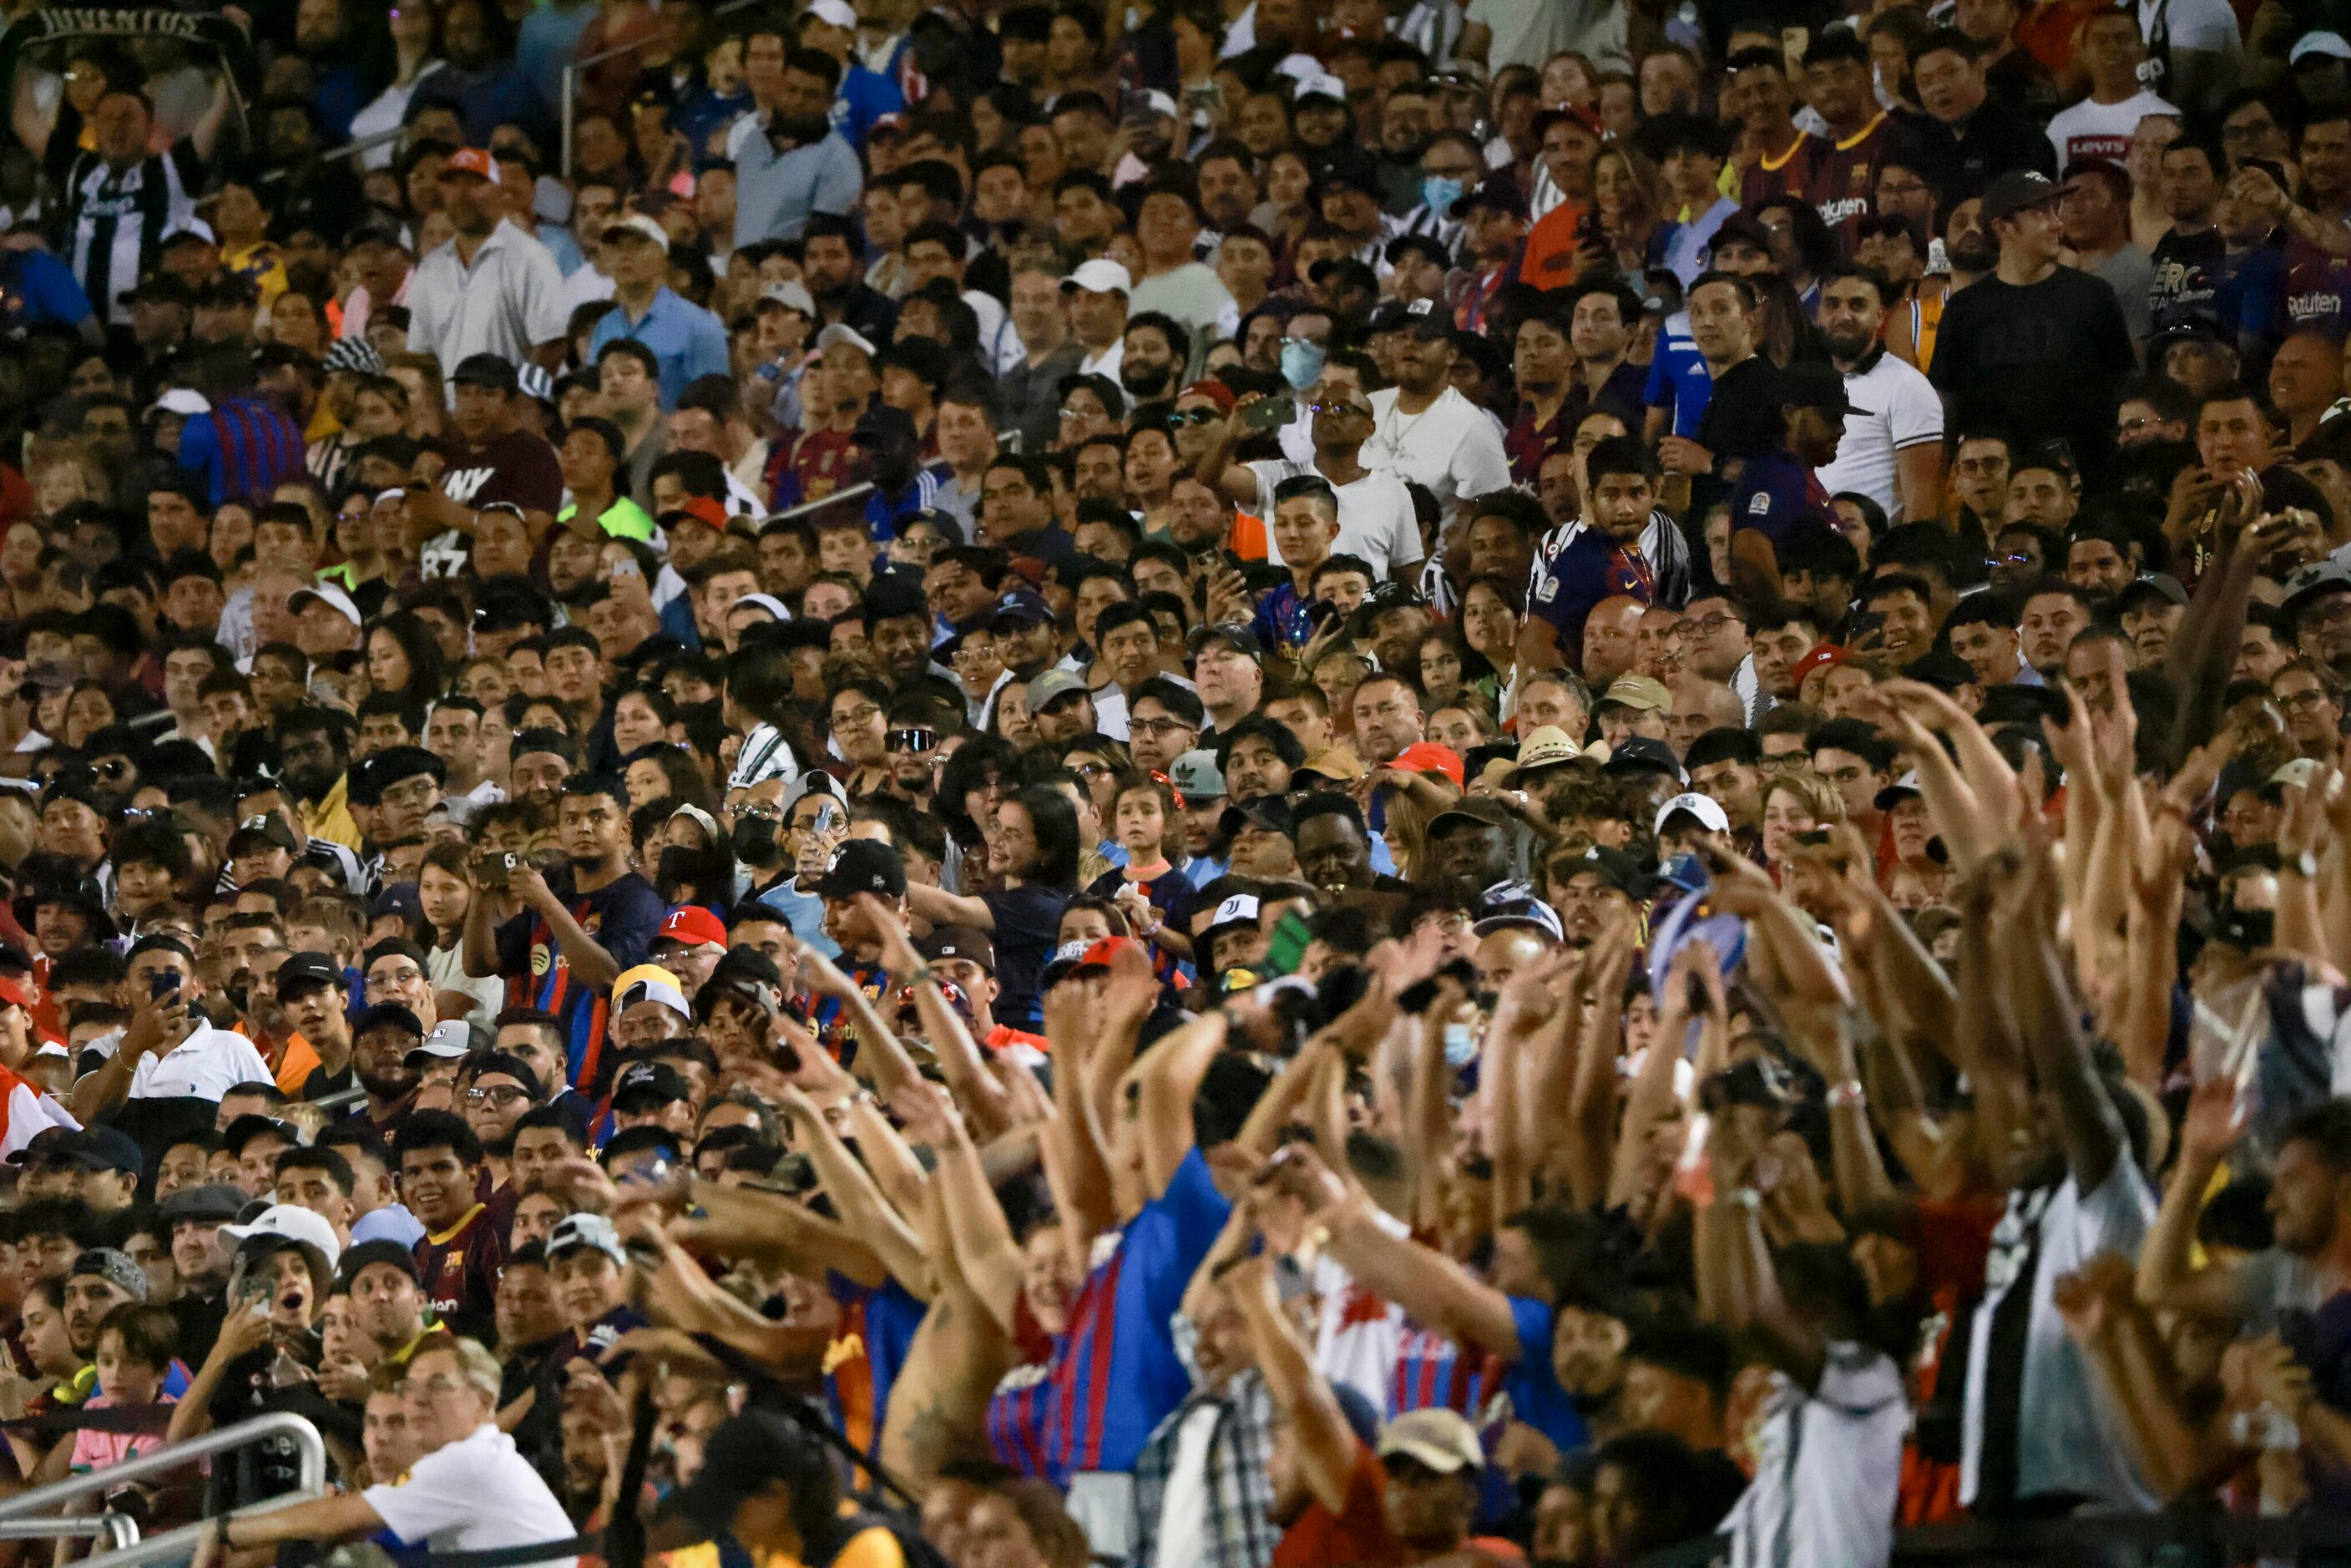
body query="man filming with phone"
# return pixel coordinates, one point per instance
(1376, 522)
(570, 948)
(169, 1052)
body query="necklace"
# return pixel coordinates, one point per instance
(1394, 437)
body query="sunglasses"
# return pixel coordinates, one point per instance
(1184, 416)
(911, 740)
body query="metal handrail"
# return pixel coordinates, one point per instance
(571, 87)
(311, 1449)
(179, 1545)
(857, 492)
(120, 1530)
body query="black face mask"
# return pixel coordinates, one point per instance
(800, 130)
(754, 839)
(238, 996)
(676, 869)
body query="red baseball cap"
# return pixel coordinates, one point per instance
(1822, 655)
(1428, 757)
(471, 161)
(701, 509)
(13, 995)
(694, 926)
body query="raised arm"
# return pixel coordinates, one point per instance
(2167, 1279)
(1167, 1081)
(855, 1197)
(1321, 1442)
(2088, 1128)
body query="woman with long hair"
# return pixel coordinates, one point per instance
(1628, 205)
(1492, 609)
(444, 891)
(405, 657)
(1795, 802)
(1033, 849)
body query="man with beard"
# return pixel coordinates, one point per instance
(200, 1261)
(2035, 346)
(498, 464)
(1098, 293)
(1425, 429)
(1155, 351)
(493, 290)
(542, 762)
(388, 1303)
(381, 1039)
(1376, 522)
(836, 277)
(791, 165)
(570, 949)
(1176, 283)
(1892, 446)
(1469, 849)
(313, 758)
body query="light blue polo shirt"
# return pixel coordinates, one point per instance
(687, 342)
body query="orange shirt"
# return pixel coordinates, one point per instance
(1551, 248)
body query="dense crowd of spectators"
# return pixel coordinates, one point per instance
(1295, 783)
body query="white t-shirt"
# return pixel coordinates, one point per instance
(1375, 516)
(204, 1066)
(1828, 1462)
(765, 755)
(2206, 24)
(2095, 129)
(1452, 447)
(1184, 1507)
(2068, 1438)
(473, 1495)
(1893, 406)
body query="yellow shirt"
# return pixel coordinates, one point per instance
(331, 817)
(874, 1548)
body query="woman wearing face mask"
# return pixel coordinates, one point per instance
(693, 864)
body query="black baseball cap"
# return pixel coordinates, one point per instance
(2019, 190)
(863, 865)
(305, 971)
(371, 1252)
(392, 1015)
(485, 371)
(958, 942)
(640, 1085)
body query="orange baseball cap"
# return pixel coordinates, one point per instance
(471, 161)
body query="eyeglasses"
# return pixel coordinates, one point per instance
(1184, 416)
(1156, 725)
(1338, 408)
(754, 812)
(500, 1095)
(416, 792)
(391, 978)
(864, 712)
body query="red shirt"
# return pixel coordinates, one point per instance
(1357, 1536)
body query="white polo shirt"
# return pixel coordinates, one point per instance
(507, 303)
(473, 1495)
(204, 1066)
(1893, 406)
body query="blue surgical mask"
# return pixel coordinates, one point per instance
(1302, 363)
(1440, 192)
(1460, 1046)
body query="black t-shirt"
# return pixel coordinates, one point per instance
(2189, 270)
(200, 1319)
(1028, 923)
(2044, 358)
(516, 468)
(1742, 412)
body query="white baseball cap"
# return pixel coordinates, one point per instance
(327, 594)
(835, 11)
(185, 402)
(1705, 807)
(2326, 45)
(294, 1223)
(1100, 276)
(637, 224)
(841, 332)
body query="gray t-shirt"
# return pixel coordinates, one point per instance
(2129, 272)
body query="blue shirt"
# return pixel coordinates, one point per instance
(1115, 1372)
(546, 42)
(1779, 495)
(865, 97)
(1536, 1396)
(245, 447)
(1688, 248)
(776, 191)
(40, 291)
(884, 513)
(687, 342)
(1679, 379)
(1281, 619)
(805, 914)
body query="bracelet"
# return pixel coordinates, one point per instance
(2305, 865)
(1849, 1092)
